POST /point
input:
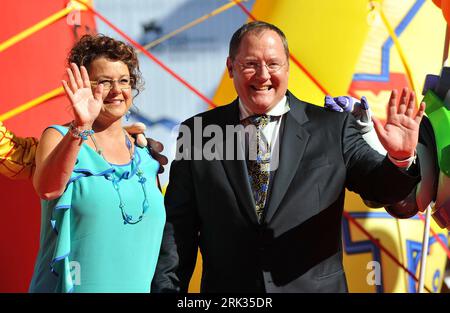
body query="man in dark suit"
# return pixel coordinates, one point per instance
(272, 223)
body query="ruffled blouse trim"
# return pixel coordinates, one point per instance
(88, 163)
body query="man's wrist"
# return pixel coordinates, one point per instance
(403, 163)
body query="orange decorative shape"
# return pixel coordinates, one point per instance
(444, 5)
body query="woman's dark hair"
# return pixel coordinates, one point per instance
(91, 47)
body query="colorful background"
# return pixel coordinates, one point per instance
(337, 47)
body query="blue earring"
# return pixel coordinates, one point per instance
(127, 116)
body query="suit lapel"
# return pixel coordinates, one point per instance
(293, 144)
(236, 168)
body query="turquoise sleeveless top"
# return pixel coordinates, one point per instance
(85, 246)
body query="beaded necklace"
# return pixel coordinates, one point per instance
(127, 218)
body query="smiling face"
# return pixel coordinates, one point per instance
(117, 100)
(260, 91)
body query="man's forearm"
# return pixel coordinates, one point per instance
(16, 155)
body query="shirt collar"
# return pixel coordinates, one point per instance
(279, 109)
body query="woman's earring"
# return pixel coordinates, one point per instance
(127, 116)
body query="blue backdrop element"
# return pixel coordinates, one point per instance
(414, 254)
(357, 247)
(386, 48)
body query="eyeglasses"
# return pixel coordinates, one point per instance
(124, 83)
(250, 67)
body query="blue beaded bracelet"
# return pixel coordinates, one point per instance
(83, 134)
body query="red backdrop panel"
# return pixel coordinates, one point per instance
(29, 69)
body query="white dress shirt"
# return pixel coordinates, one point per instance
(271, 132)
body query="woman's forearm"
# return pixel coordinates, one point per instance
(54, 163)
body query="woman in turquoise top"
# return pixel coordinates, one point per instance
(102, 213)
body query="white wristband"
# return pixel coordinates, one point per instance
(406, 163)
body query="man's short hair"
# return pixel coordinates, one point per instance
(256, 27)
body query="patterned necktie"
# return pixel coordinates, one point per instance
(259, 169)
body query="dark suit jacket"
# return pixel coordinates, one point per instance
(298, 247)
